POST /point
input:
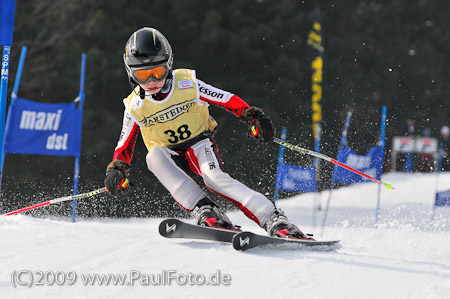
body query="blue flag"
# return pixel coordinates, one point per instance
(6, 22)
(294, 178)
(43, 129)
(442, 199)
(369, 164)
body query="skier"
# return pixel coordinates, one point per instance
(170, 109)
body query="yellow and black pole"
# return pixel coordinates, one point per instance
(315, 43)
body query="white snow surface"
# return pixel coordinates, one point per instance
(406, 256)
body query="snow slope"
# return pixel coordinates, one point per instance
(406, 256)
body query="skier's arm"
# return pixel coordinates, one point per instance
(221, 98)
(260, 126)
(116, 180)
(127, 141)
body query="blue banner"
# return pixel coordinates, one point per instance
(442, 199)
(370, 164)
(7, 8)
(294, 178)
(43, 129)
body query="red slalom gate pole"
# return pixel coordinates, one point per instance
(28, 208)
(56, 200)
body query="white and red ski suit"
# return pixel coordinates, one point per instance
(177, 128)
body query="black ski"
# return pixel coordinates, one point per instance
(247, 240)
(174, 228)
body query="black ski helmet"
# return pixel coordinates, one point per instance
(147, 47)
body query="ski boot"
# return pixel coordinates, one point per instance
(208, 214)
(277, 225)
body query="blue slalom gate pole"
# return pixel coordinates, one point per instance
(341, 144)
(280, 162)
(382, 136)
(317, 168)
(14, 94)
(317, 148)
(80, 99)
(7, 12)
(438, 171)
(15, 91)
(3, 90)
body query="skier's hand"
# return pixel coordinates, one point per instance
(116, 180)
(260, 126)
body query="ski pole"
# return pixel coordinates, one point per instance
(56, 200)
(324, 157)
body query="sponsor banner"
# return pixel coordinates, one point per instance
(442, 199)
(43, 129)
(370, 164)
(294, 178)
(415, 145)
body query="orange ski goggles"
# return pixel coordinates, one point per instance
(143, 75)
